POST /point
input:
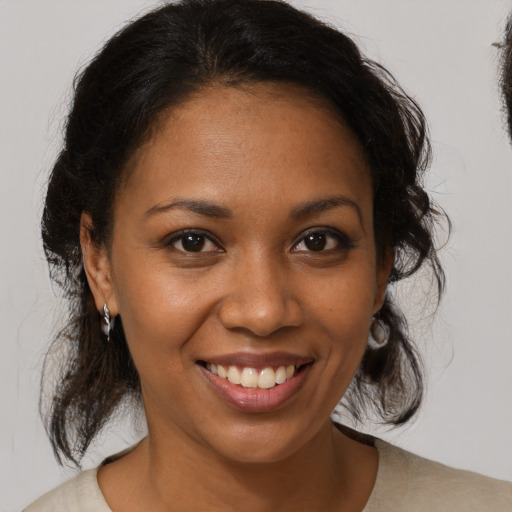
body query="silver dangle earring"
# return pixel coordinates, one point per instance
(107, 322)
(378, 336)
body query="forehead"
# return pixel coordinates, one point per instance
(250, 144)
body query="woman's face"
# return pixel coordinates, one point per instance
(243, 244)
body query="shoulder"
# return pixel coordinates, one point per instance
(409, 482)
(80, 494)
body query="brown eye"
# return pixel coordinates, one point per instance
(315, 241)
(193, 243)
(322, 240)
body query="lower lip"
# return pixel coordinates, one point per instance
(256, 400)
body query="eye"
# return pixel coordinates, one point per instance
(321, 240)
(193, 241)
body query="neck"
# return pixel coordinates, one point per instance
(331, 471)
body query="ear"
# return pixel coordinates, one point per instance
(385, 261)
(97, 268)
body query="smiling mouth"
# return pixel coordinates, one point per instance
(255, 383)
(254, 378)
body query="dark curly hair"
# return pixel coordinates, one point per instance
(506, 73)
(158, 61)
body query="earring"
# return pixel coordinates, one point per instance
(378, 336)
(107, 322)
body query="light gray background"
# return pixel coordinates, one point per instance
(442, 52)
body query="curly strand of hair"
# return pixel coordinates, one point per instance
(98, 377)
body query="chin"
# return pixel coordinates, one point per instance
(260, 443)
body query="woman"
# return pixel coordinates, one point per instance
(237, 189)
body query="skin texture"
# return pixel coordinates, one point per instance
(260, 154)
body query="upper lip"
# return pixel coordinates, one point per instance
(253, 360)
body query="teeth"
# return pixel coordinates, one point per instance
(221, 371)
(233, 375)
(281, 375)
(267, 378)
(249, 378)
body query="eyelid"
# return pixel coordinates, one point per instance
(169, 240)
(344, 240)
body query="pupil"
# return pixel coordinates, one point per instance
(193, 243)
(315, 242)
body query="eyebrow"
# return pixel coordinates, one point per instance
(194, 205)
(213, 210)
(320, 205)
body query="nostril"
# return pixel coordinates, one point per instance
(260, 310)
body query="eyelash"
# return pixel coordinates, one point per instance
(181, 235)
(342, 241)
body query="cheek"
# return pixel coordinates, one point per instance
(161, 311)
(346, 299)
(344, 310)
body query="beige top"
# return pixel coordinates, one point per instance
(405, 483)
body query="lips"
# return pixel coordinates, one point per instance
(255, 382)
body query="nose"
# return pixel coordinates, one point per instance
(260, 299)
